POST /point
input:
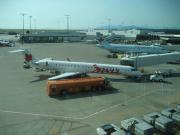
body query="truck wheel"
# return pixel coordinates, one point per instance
(93, 88)
(102, 88)
(64, 92)
(53, 92)
(160, 80)
(99, 88)
(153, 80)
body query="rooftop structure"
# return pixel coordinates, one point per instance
(45, 37)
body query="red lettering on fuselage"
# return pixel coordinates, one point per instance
(105, 70)
(117, 70)
(111, 70)
(96, 69)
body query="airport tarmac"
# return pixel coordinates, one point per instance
(25, 108)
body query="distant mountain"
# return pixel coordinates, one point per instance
(122, 27)
(119, 27)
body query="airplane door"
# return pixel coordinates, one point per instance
(47, 63)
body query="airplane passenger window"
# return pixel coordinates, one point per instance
(46, 63)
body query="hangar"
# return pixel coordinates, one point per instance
(53, 37)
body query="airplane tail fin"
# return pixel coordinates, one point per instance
(101, 40)
(99, 37)
(28, 57)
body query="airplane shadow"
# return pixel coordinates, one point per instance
(145, 79)
(41, 78)
(124, 80)
(86, 94)
(120, 80)
(167, 82)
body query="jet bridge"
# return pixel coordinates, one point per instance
(148, 60)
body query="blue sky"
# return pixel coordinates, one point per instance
(90, 13)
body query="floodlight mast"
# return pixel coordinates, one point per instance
(23, 14)
(30, 17)
(109, 26)
(67, 17)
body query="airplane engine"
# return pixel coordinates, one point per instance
(39, 69)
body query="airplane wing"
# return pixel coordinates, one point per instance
(65, 75)
(18, 50)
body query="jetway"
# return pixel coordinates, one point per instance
(148, 60)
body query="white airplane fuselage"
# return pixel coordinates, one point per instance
(69, 68)
(83, 67)
(117, 48)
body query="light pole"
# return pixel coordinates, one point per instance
(23, 14)
(34, 25)
(30, 17)
(67, 17)
(109, 28)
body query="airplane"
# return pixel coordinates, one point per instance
(69, 69)
(129, 48)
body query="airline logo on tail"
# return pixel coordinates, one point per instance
(28, 57)
(99, 37)
(102, 42)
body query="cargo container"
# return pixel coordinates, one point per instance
(137, 126)
(173, 114)
(63, 87)
(159, 122)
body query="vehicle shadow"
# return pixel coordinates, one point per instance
(41, 78)
(167, 82)
(174, 75)
(120, 79)
(86, 94)
(144, 79)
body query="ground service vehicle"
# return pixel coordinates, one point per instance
(156, 78)
(164, 73)
(63, 87)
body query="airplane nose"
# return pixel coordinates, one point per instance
(36, 63)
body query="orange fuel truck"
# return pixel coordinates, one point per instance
(63, 87)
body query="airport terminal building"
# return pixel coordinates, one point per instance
(53, 37)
